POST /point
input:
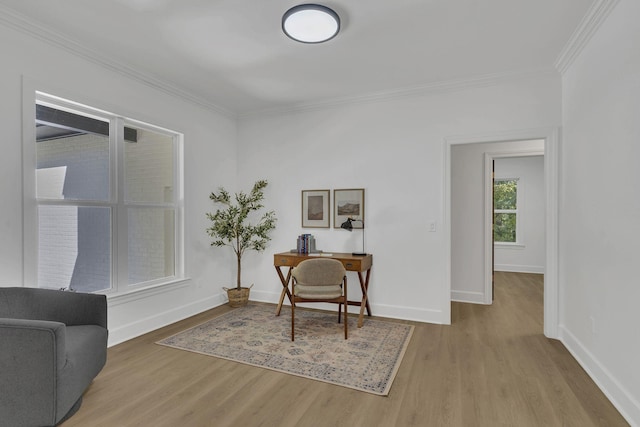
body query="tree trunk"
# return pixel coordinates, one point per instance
(238, 282)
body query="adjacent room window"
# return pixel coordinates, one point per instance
(108, 200)
(505, 210)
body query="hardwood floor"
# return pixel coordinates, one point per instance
(491, 367)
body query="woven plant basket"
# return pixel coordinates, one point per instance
(238, 297)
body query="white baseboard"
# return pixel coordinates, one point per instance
(382, 310)
(536, 269)
(468, 297)
(151, 323)
(624, 402)
(409, 313)
(262, 296)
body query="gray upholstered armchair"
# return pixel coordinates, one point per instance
(52, 345)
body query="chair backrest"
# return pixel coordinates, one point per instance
(319, 272)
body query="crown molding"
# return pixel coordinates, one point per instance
(596, 15)
(588, 26)
(411, 91)
(21, 23)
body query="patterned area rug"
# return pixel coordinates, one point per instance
(254, 335)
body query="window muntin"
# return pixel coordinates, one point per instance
(505, 210)
(107, 222)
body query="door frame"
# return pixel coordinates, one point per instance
(489, 261)
(551, 137)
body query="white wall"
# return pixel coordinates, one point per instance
(393, 148)
(468, 222)
(600, 208)
(528, 256)
(210, 160)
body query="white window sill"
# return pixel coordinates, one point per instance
(139, 293)
(502, 245)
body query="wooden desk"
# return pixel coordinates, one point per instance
(358, 263)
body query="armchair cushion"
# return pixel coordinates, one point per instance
(318, 272)
(317, 291)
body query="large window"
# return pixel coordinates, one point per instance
(505, 211)
(107, 199)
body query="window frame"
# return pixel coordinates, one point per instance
(119, 283)
(517, 211)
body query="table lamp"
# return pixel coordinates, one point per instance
(348, 225)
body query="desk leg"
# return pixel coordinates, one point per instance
(285, 288)
(364, 285)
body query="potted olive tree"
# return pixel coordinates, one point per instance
(231, 226)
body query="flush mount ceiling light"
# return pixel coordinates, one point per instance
(310, 23)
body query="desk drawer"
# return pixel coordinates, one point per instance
(286, 261)
(352, 264)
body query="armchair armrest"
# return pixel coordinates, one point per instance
(40, 338)
(31, 355)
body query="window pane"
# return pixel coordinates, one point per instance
(72, 156)
(504, 227)
(505, 194)
(74, 247)
(151, 244)
(149, 171)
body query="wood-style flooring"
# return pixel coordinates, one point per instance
(491, 367)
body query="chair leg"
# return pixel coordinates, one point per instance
(293, 316)
(346, 309)
(346, 322)
(339, 311)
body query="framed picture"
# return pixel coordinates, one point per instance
(315, 208)
(348, 204)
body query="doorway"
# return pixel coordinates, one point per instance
(507, 144)
(519, 246)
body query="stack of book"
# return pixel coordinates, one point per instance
(306, 244)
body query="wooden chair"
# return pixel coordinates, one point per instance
(319, 280)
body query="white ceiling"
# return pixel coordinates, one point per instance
(232, 53)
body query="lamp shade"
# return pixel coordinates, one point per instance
(310, 23)
(348, 225)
